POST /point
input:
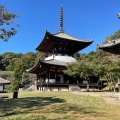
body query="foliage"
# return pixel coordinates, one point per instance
(15, 85)
(6, 59)
(97, 64)
(77, 56)
(115, 36)
(40, 55)
(6, 18)
(18, 63)
(1, 64)
(25, 62)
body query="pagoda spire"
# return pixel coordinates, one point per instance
(61, 19)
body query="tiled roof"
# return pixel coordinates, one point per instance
(62, 39)
(109, 43)
(66, 36)
(3, 81)
(54, 62)
(112, 46)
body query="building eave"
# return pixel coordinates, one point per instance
(112, 46)
(43, 65)
(3, 81)
(50, 41)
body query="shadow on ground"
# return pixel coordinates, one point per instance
(14, 106)
(40, 108)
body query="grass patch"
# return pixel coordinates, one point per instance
(56, 106)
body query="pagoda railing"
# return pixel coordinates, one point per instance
(54, 83)
(66, 83)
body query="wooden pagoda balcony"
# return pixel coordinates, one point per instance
(90, 84)
(65, 85)
(80, 84)
(53, 84)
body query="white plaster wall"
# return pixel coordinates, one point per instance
(1, 88)
(64, 58)
(50, 80)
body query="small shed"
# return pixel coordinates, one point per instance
(3, 82)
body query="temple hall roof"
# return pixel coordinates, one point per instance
(51, 41)
(112, 46)
(62, 58)
(54, 62)
(43, 65)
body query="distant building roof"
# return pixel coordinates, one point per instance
(3, 81)
(112, 46)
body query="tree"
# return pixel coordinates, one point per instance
(6, 19)
(22, 64)
(14, 85)
(7, 58)
(115, 36)
(96, 65)
(78, 69)
(40, 55)
(1, 64)
(77, 56)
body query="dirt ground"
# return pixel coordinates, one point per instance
(111, 98)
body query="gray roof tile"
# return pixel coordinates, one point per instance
(3, 81)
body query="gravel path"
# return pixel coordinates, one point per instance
(112, 98)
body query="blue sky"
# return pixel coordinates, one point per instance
(83, 19)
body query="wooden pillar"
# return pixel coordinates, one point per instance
(3, 87)
(55, 76)
(48, 76)
(43, 76)
(119, 87)
(35, 85)
(88, 87)
(77, 83)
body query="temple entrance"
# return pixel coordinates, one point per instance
(61, 78)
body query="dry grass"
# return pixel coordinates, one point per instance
(57, 106)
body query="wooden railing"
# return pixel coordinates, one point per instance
(67, 83)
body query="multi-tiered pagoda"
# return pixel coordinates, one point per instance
(61, 47)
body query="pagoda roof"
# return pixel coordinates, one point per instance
(54, 62)
(51, 41)
(3, 81)
(112, 46)
(43, 65)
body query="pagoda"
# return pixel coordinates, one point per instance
(60, 47)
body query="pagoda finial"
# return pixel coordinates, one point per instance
(61, 19)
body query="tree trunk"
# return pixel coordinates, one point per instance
(88, 87)
(114, 88)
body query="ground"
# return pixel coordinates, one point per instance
(111, 98)
(72, 105)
